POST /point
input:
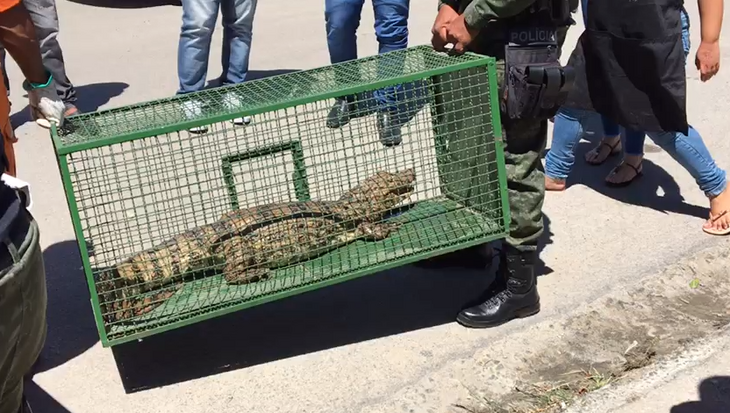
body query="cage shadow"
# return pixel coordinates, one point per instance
(40, 401)
(71, 327)
(714, 397)
(91, 98)
(254, 75)
(379, 305)
(483, 256)
(642, 192)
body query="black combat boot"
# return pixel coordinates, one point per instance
(389, 128)
(341, 112)
(513, 294)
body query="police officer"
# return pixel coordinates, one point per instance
(523, 35)
(22, 276)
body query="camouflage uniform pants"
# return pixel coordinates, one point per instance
(525, 141)
(22, 316)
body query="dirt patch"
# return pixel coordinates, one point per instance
(609, 341)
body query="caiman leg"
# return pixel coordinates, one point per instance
(376, 231)
(123, 302)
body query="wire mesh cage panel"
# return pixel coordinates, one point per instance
(182, 214)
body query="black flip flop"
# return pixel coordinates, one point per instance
(625, 183)
(610, 154)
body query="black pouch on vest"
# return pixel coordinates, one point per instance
(536, 85)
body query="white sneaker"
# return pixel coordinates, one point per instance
(193, 109)
(242, 121)
(231, 101)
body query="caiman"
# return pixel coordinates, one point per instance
(326, 225)
(247, 243)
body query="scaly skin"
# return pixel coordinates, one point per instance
(247, 243)
(356, 215)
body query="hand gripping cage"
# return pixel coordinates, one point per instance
(175, 227)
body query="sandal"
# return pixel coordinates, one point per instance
(597, 150)
(713, 231)
(637, 175)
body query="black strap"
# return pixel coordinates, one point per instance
(4, 163)
(9, 201)
(553, 80)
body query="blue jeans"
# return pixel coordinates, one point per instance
(688, 150)
(199, 19)
(342, 19)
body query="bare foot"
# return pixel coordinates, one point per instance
(610, 145)
(552, 184)
(625, 173)
(719, 222)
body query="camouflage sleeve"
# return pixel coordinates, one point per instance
(479, 12)
(453, 3)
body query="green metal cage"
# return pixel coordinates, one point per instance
(182, 215)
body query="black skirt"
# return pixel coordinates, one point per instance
(629, 64)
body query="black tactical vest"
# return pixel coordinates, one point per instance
(629, 64)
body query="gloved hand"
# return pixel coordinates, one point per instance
(45, 105)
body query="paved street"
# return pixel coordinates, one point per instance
(351, 347)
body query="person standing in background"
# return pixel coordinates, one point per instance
(23, 296)
(688, 149)
(199, 19)
(44, 16)
(342, 18)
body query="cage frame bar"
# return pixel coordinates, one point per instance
(499, 143)
(279, 295)
(299, 176)
(83, 248)
(206, 119)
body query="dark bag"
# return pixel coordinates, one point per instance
(536, 84)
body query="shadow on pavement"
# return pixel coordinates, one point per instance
(90, 98)
(642, 192)
(253, 75)
(71, 328)
(128, 4)
(545, 240)
(379, 305)
(480, 256)
(40, 401)
(714, 397)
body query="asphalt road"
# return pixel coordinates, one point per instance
(351, 347)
